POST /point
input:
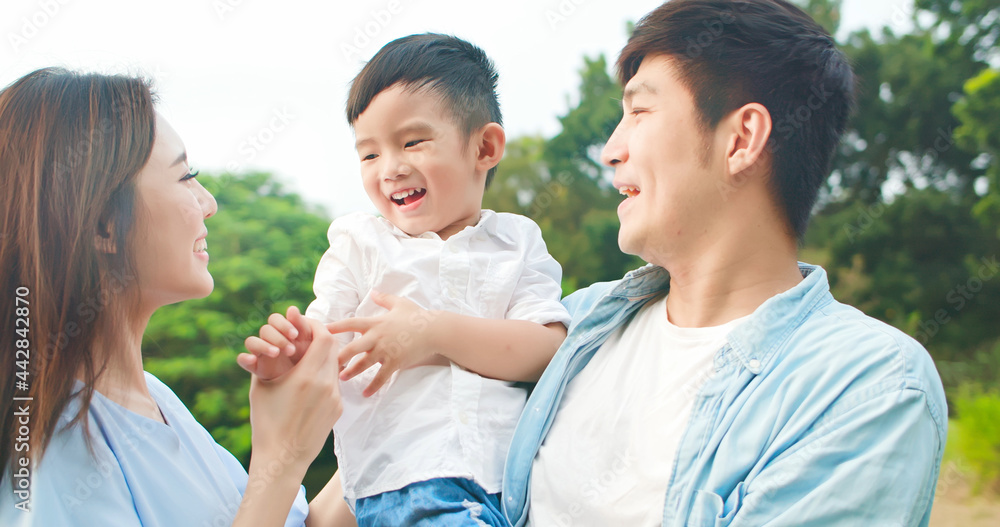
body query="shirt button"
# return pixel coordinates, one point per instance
(754, 364)
(462, 418)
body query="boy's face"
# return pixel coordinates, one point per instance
(417, 166)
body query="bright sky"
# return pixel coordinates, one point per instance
(258, 84)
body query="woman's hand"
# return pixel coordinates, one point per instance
(291, 417)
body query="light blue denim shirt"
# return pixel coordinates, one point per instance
(816, 414)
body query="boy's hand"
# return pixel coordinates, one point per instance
(398, 339)
(281, 344)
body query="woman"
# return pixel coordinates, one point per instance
(102, 222)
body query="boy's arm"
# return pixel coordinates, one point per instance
(511, 350)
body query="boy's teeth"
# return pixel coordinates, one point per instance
(406, 193)
(200, 245)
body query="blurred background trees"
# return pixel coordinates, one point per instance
(908, 226)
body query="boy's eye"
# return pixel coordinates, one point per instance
(414, 143)
(190, 175)
(368, 157)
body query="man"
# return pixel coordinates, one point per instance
(722, 384)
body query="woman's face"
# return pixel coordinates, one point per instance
(169, 242)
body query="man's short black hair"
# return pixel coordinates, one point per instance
(733, 52)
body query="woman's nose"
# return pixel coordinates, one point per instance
(207, 201)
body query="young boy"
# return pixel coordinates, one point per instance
(429, 394)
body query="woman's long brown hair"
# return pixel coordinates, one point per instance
(71, 145)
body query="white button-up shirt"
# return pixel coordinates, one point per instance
(432, 421)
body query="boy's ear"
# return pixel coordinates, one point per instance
(492, 141)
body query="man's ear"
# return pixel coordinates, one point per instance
(104, 241)
(492, 141)
(747, 151)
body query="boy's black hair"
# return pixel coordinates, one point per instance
(461, 73)
(733, 52)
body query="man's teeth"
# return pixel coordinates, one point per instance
(629, 191)
(406, 193)
(201, 245)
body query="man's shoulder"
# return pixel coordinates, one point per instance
(865, 356)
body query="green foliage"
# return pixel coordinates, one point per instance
(974, 436)
(264, 244)
(977, 110)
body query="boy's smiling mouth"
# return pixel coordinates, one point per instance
(408, 196)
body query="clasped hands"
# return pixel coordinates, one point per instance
(398, 339)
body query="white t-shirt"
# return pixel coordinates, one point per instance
(432, 421)
(609, 455)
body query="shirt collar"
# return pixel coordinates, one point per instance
(755, 341)
(488, 223)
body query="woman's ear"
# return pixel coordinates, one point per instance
(492, 141)
(747, 149)
(104, 241)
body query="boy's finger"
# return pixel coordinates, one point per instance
(357, 325)
(275, 338)
(359, 345)
(363, 363)
(299, 327)
(384, 299)
(280, 323)
(247, 361)
(382, 377)
(320, 350)
(258, 346)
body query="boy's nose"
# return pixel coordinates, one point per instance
(396, 170)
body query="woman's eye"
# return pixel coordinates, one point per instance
(414, 143)
(190, 175)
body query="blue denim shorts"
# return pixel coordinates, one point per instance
(437, 502)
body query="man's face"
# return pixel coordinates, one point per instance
(663, 166)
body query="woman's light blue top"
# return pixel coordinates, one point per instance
(141, 472)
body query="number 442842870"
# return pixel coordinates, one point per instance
(23, 344)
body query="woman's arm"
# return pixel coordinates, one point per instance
(291, 418)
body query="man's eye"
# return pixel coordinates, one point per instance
(190, 175)
(414, 143)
